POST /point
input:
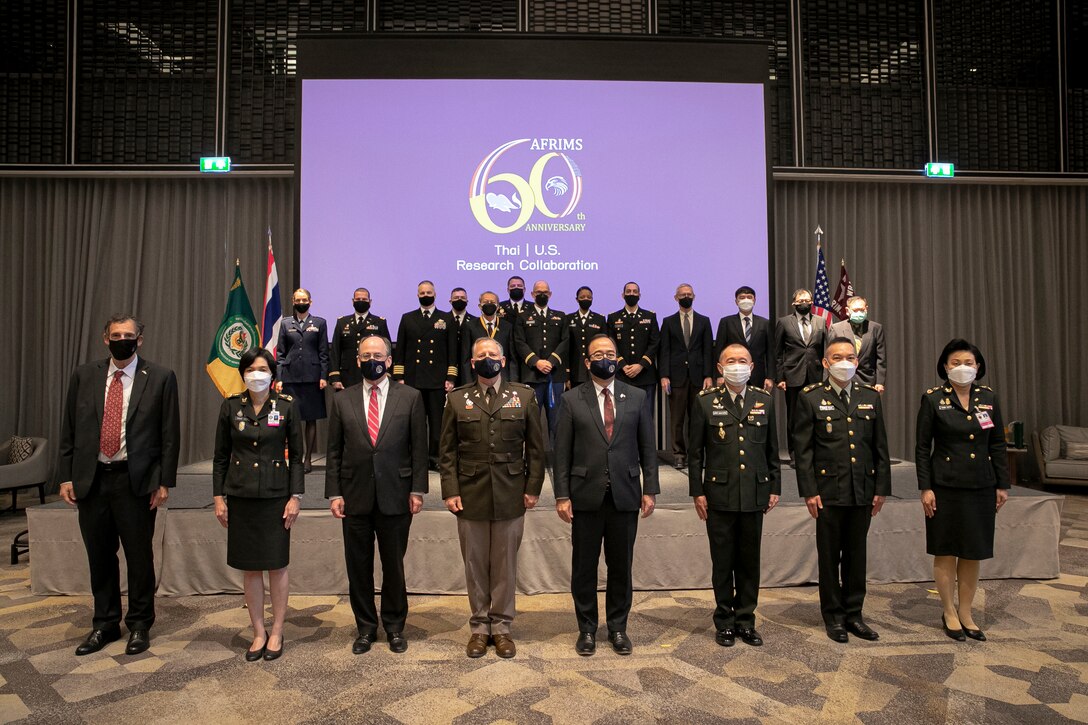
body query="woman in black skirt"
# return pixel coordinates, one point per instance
(964, 479)
(302, 356)
(257, 482)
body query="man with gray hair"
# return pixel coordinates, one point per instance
(491, 460)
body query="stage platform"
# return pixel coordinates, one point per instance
(671, 552)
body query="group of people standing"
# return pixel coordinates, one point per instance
(477, 415)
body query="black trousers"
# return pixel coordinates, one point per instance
(735, 538)
(391, 533)
(109, 515)
(680, 401)
(434, 401)
(617, 529)
(791, 402)
(841, 537)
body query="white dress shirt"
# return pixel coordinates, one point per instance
(127, 376)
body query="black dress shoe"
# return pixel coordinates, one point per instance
(837, 632)
(956, 634)
(96, 640)
(860, 629)
(749, 635)
(307, 467)
(397, 642)
(975, 634)
(272, 654)
(726, 637)
(252, 655)
(138, 641)
(362, 644)
(586, 644)
(620, 643)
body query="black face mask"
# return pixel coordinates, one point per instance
(585, 305)
(122, 349)
(487, 367)
(517, 294)
(459, 305)
(373, 369)
(542, 300)
(803, 309)
(687, 302)
(631, 300)
(603, 368)
(302, 308)
(489, 308)
(361, 306)
(426, 301)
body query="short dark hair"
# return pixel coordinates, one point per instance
(583, 287)
(744, 290)
(628, 284)
(361, 289)
(119, 317)
(960, 345)
(598, 336)
(423, 282)
(838, 341)
(521, 279)
(459, 289)
(250, 356)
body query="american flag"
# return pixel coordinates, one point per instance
(843, 292)
(821, 293)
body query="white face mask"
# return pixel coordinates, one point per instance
(737, 374)
(843, 370)
(962, 375)
(746, 305)
(258, 381)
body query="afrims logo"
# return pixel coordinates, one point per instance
(504, 202)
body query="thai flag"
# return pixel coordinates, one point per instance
(821, 291)
(273, 310)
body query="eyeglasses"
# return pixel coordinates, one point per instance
(602, 356)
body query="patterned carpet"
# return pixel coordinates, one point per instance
(1033, 669)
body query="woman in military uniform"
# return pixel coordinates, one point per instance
(257, 482)
(964, 480)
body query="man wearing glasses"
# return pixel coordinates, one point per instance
(375, 478)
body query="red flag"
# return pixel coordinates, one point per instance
(843, 292)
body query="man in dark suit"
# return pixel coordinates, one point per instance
(798, 345)
(492, 471)
(734, 478)
(515, 302)
(605, 437)
(868, 337)
(375, 478)
(488, 324)
(461, 321)
(844, 475)
(752, 331)
(582, 326)
(119, 446)
(637, 338)
(346, 336)
(425, 357)
(685, 364)
(540, 338)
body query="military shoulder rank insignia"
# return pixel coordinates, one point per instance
(811, 386)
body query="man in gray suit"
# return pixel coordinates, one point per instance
(868, 337)
(375, 478)
(604, 438)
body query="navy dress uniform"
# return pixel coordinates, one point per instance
(462, 325)
(581, 328)
(542, 335)
(960, 455)
(425, 357)
(733, 462)
(302, 359)
(637, 337)
(350, 330)
(257, 466)
(841, 448)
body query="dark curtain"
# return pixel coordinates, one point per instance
(998, 264)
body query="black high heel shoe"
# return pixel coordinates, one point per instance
(976, 634)
(956, 634)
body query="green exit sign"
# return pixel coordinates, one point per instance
(215, 164)
(940, 171)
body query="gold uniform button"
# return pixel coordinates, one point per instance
(851, 432)
(713, 478)
(972, 455)
(853, 460)
(742, 452)
(849, 420)
(946, 458)
(971, 437)
(742, 466)
(968, 417)
(851, 446)
(829, 419)
(823, 471)
(255, 465)
(741, 439)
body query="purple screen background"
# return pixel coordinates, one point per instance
(674, 189)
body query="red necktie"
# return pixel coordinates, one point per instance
(109, 439)
(372, 415)
(609, 414)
